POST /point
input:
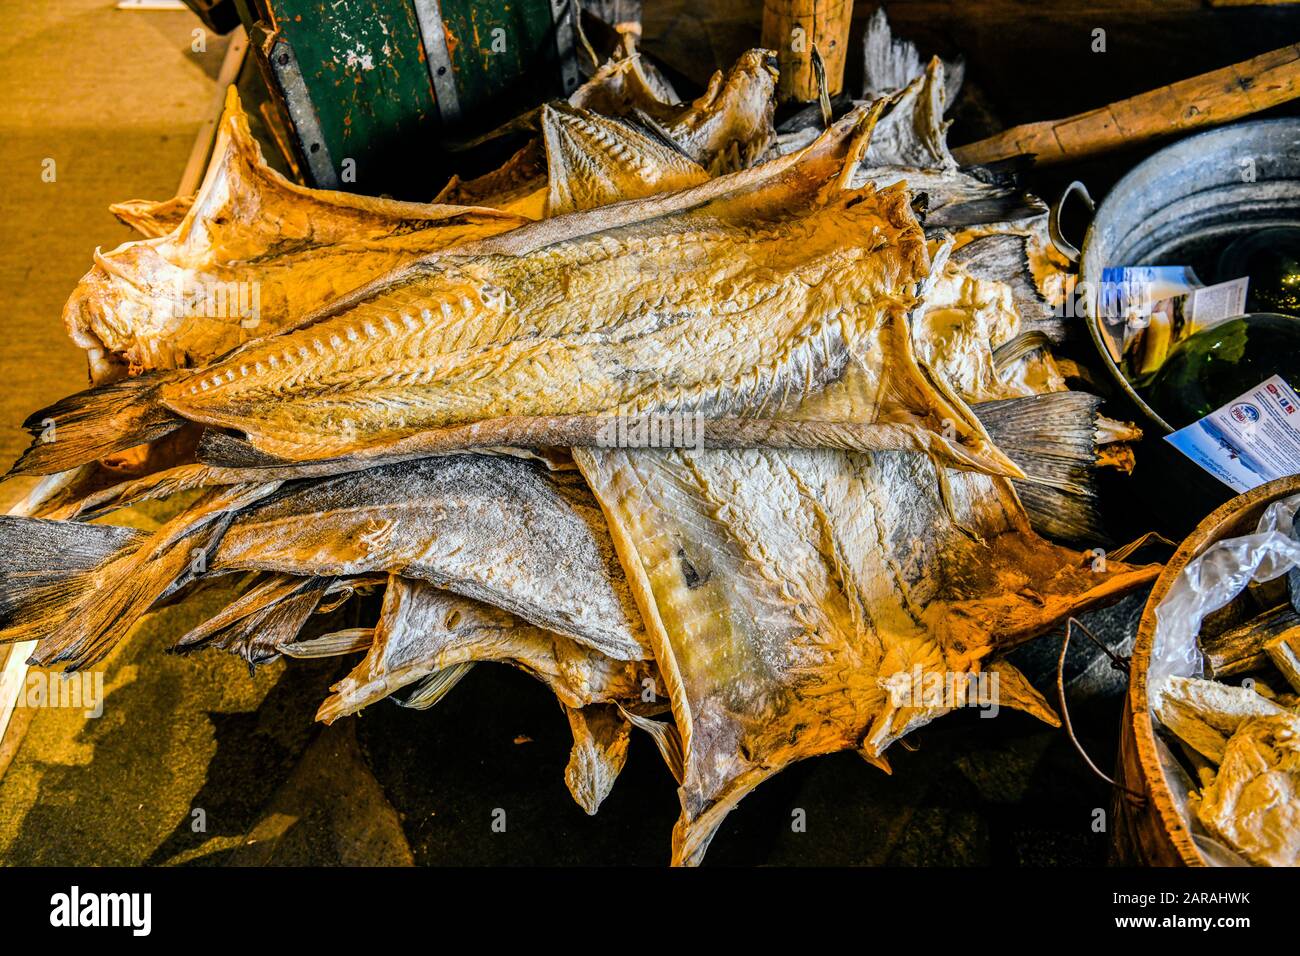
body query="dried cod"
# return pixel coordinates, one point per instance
(779, 588)
(770, 304)
(796, 601)
(496, 529)
(253, 250)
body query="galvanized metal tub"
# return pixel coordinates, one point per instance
(1182, 205)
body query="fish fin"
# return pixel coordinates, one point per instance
(220, 450)
(258, 637)
(1052, 437)
(122, 589)
(268, 591)
(99, 421)
(1015, 691)
(876, 760)
(152, 218)
(600, 743)
(429, 690)
(666, 739)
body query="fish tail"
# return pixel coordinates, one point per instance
(80, 608)
(89, 425)
(1053, 438)
(48, 567)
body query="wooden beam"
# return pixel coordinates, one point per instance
(1206, 100)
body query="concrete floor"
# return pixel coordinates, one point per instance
(114, 98)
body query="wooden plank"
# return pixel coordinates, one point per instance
(1206, 100)
(1242, 649)
(792, 28)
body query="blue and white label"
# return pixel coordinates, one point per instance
(1253, 439)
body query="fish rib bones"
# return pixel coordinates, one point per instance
(771, 304)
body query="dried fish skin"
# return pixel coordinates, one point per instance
(782, 590)
(423, 629)
(252, 251)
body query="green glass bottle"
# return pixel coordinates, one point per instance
(1271, 258)
(1214, 366)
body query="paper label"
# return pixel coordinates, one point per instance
(1253, 439)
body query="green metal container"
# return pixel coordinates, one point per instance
(369, 89)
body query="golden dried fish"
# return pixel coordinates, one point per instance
(770, 304)
(784, 592)
(1205, 714)
(252, 251)
(593, 160)
(423, 629)
(999, 232)
(494, 529)
(726, 129)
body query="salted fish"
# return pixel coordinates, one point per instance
(1253, 802)
(252, 250)
(423, 632)
(247, 213)
(782, 589)
(798, 601)
(769, 304)
(998, 231)
(727, 128)
(1250, 799)
(494, 529)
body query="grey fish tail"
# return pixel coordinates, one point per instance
(1053, 438)
(89, 425)
(47, 567)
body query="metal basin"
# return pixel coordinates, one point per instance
(1182, 205)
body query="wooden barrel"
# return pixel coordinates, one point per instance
(792, 28)
(1151, 831)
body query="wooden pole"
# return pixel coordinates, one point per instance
(1206, 100)
(792, 28)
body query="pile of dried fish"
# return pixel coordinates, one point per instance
(437, 399)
